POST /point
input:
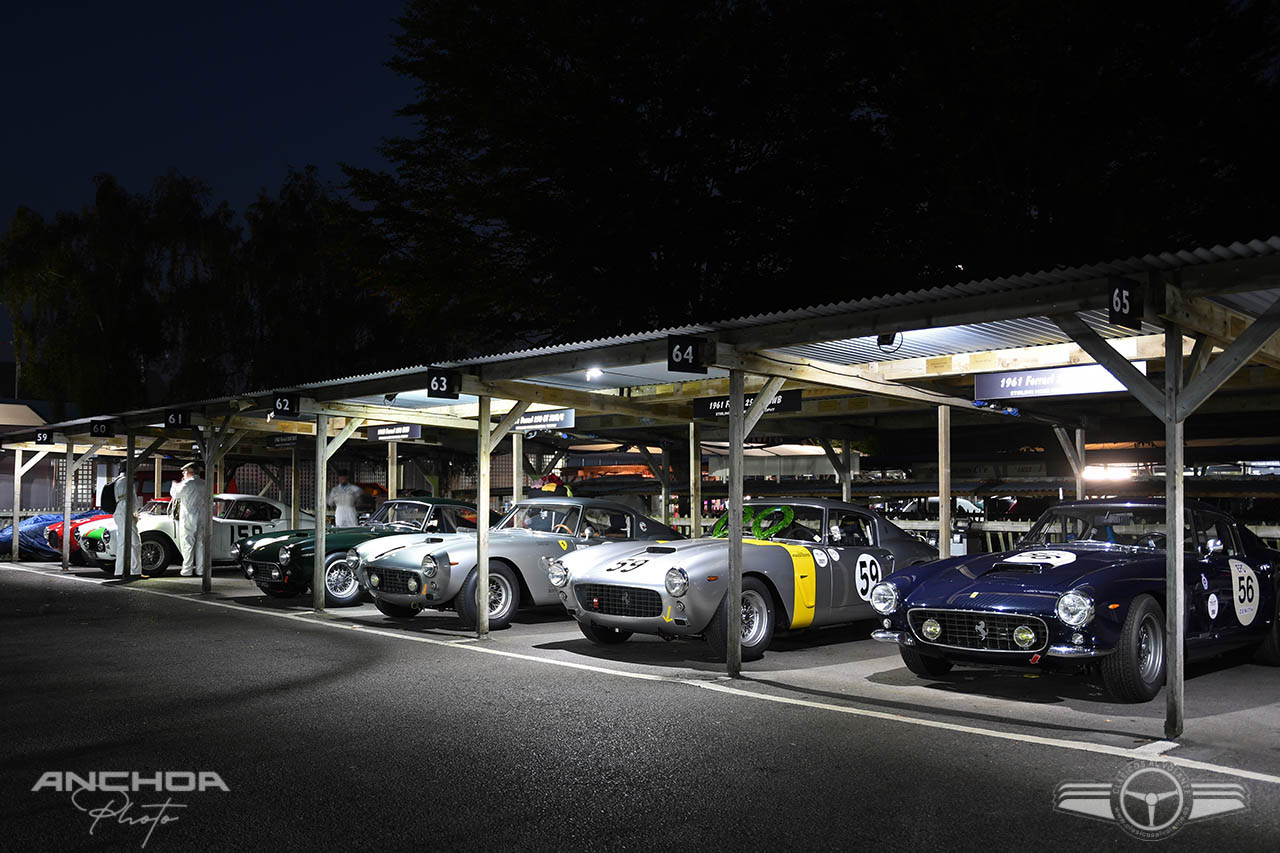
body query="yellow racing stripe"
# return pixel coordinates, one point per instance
(806, 581)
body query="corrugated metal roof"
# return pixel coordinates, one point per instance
(1011, 284)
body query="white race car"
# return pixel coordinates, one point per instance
(234, 518)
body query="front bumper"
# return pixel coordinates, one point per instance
(274, 575)
(409, 587)
(1059, 643)
(642, 608)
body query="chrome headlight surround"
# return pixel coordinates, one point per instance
(884, 598)
(285, 556)
(430, 565)
(353, 559)
(557, 574)
(1074, 608)
(676, 581)
(106, 537)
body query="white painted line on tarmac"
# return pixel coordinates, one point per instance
(1156, 747)
(1154, 751)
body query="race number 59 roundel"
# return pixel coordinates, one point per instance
(868, 573)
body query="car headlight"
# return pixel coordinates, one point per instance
(285, 556)
(235, 551)
(374, 580)
(884, 598)
(677, 581)
(353, 559)
(557, 573)
(106, 536)
(1024, 636)
(1075, 608)
(931, 629)
(411, 584)
(429, 565)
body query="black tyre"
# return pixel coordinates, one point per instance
(504, 597)
(604, 636)
(157, 554)
(1268, 651)
(756, 618)
(278, 592)
(925, 666)
(1134, 672)
(395, 611)
(341, 589)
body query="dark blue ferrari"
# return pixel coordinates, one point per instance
(1087, 586)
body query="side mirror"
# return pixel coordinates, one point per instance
(1213, 546)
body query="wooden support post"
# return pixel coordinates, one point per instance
(666, 486)
(130, 505)
(517, 466)
(219, 478)
(483, 453)
(294, 482)
(846, 480)
(733, 598)
(322, 455)
(1083, 464)
(393, 471)
(157, 466)
(69, 480)
(1175, 594)
(17, 499)
(944, 482)
(695, 481)
(204, 531)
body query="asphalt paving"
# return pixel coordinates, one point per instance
(350, 730)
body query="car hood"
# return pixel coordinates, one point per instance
(1048, 571)
(647, 562)
(267, 546)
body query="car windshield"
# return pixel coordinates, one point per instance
(776, 521)
(409, 515)
(1104, 524)
(156, 508)
(544, 518)
(223, 508)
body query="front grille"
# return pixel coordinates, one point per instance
(392, 580)
(980, 630)
(613, 600)
(262, 571)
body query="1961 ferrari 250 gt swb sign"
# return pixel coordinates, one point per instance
(806, 562)
(1087, 585)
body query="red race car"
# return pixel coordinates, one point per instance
(53, 535)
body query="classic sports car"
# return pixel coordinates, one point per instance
(234, 518)
(807, 562)
(281, 562)
(407, 573)
(53, 535)
(1087, 585)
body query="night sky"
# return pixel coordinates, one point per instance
(232, 92)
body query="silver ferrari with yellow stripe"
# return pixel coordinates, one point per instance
(805, 563)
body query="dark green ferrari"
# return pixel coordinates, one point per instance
(281, 562)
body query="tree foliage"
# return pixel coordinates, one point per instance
(603, 167)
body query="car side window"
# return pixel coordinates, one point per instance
(608, 523)
(1214, 527)
(852, 530)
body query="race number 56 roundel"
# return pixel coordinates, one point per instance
(1245, 592)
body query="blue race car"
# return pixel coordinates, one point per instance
(1087, 586)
